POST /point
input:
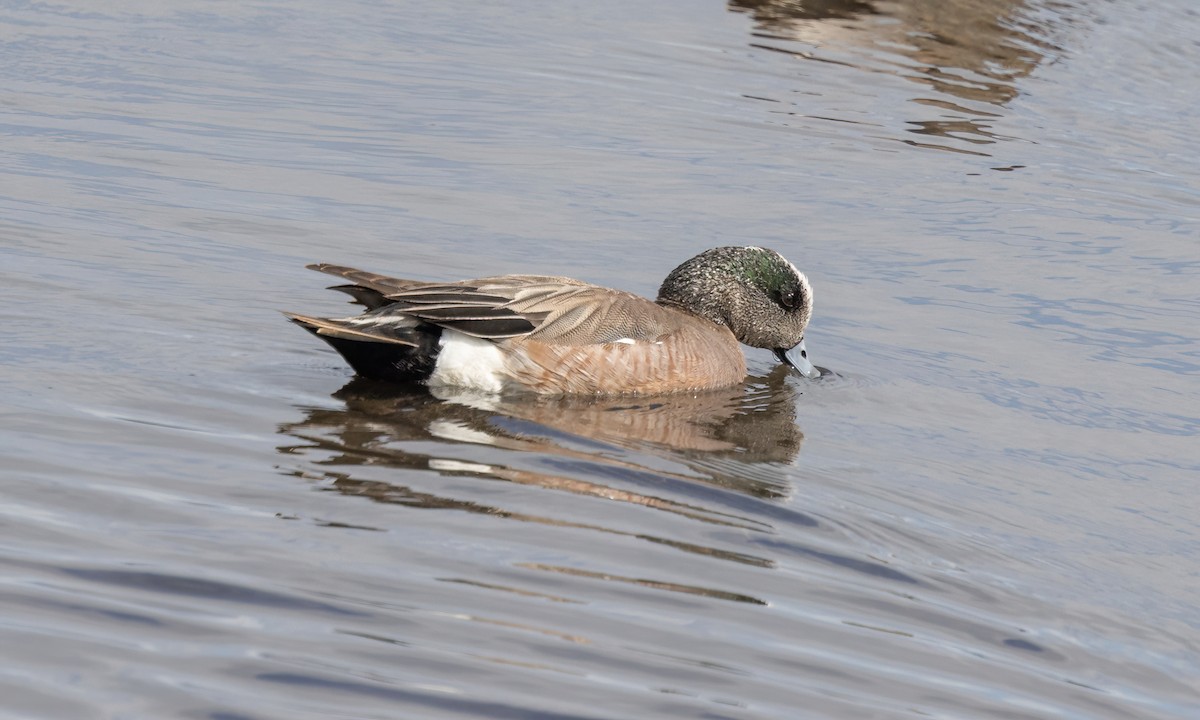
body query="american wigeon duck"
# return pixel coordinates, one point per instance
(556, 335)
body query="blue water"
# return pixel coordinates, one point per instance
(987, 509)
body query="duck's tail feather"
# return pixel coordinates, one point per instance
(381, 284)
(367, 297)
(393, 352)
(346, 330)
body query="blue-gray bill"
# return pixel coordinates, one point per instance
(797, 357)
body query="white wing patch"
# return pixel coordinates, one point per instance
(630, 341)
(468, 362)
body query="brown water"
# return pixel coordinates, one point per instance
(987, 510)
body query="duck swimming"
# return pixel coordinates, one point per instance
(556, 335)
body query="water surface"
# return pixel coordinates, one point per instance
(986, 509)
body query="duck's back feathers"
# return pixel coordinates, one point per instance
(546, 308)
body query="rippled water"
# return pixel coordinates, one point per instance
(988, 508)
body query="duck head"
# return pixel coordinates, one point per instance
(755, 292)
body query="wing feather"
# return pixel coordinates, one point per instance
(548, 309)
(346, 330)
(374, 281)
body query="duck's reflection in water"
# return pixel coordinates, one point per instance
(736, 438)
(719, 458)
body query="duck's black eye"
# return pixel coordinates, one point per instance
(789, 299)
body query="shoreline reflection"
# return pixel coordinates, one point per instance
(969, 52)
